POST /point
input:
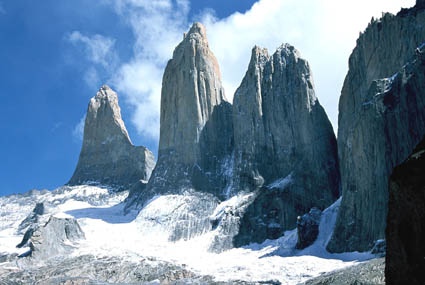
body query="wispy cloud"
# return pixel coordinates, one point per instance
(78, 131)
(324, 31)
(2, 9)
(158, 26)
(100, 52)
(98, 49)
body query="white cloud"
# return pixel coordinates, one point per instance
(323, 31)
(98, 49)
(91, 78)
(158, 27)
(78, 131)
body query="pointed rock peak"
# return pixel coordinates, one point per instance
(259, 55)
(197, 28)
(104, 121)
(104, 91)
(197, 36)
(108, 156)
(288, 49)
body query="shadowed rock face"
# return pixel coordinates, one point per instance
(196, 131)
(284, 144)
(108, 157)
(405, 232)
(308, 228)
(381, 119)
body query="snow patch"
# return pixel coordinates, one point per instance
(229, 205)
(281, 183)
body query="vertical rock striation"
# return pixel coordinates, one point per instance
(285, 147)
(196, 128)
(380, 122)
(268, 158)
(405, 232)
(108, 157)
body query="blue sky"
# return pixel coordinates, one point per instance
(55, 54)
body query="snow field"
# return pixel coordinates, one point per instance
(109, 232)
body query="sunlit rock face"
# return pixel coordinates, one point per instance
(107, 156)
(54, 238)
(274, 148)
(285, 147)
(196, 129)
(405, 232)
(381, 119)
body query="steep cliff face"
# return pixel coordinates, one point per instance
(380, 122)
(285, 147)
(405, 232)
(196, 129)
(108, 157)
(268, 158)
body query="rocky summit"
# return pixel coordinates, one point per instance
(108, 156)
(285, 147)
(381, 119)
(195, 127)
(275, 146)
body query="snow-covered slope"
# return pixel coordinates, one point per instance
(132, 238)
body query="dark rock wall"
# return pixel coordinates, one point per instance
(380, 121)
(405, 232)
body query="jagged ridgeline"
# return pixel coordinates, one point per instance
(381, 120)
(244, 171)
(275, 145)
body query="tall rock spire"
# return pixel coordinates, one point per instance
(196, 127)
(107, 155)
(191, 89)
(284, 144)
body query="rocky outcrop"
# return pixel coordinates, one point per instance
(405, 232)
(285, 147)
(108, 157)
(53, 238)
(32, 219)
(177, 217)
(196, 131)
(308, 228)
(380, 122)
(93, 269)
(369, 272)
